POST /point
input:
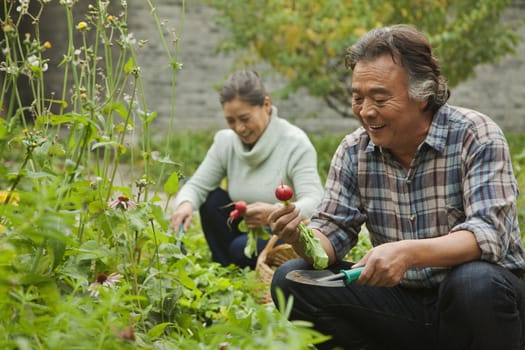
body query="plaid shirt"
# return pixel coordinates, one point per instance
(460, 179)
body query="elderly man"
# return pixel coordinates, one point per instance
(433, 183)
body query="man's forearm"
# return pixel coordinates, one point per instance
(449, 250)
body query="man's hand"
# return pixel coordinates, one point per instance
(283, 223)
(384, 265)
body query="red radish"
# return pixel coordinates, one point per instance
(240, 206)
(312, 244)
(240, 209)
(234, 214)
(283, 192)
(313, 247)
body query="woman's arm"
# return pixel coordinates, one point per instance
(207, 177)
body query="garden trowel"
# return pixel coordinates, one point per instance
(179, 242)
(325, 278)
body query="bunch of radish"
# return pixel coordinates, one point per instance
(313, 247)
(237, 212)
(252, 234)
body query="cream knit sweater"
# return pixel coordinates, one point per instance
(283, 154)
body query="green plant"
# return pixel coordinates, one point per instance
(517, 148)
(325, 145)
(87, 257)
(305, 40)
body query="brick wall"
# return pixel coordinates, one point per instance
(497, 90)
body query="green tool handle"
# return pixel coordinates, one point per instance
(351, 274)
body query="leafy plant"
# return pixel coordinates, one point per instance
(305, 40)
(87, 257)
(517, 148)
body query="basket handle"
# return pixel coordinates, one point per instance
(271, 243)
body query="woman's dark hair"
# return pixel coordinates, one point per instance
(246, 85)
(410, 49)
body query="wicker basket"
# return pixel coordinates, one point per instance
(271, 257)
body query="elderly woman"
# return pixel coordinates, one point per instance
(257, 153)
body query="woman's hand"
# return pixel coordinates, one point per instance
(256, 214)
(182, 216)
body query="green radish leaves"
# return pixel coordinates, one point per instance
(313, 247)
(253, 234)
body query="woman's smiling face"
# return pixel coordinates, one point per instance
(247, 121)
(381, 102)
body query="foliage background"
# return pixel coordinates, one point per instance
(305, 40)
(87, 258)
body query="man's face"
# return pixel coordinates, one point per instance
(380, 100)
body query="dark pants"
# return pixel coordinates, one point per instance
(478, 306)
(226, 242)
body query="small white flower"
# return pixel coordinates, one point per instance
(8, 69)
(12, 70)
(24, 6)
(129, 40)
(35, 62)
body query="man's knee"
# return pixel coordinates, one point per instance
(279, 280)
(478, 296)
(473, 285)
